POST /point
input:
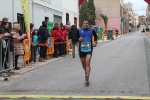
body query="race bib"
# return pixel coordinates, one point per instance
(85, 46)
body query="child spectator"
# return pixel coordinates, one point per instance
(34, 45)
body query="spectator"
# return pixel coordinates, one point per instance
(55, 32)
(60, 40)
(18, 46)
(73, 35)
(4, 31)
(61, 26)
(34, 45)
(43, 34)
(67, 29)
(50, 26)
(64, 33)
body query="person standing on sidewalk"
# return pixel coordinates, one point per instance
(60, 39)
(34, 45)
(18, 45)
(86, 48)
(73, 37)
(55, 32)
(50, 26)
(63, 38)
(4, 32)
(43, 34)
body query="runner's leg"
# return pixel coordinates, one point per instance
(83, 62)
(88, 67)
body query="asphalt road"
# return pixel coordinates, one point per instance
(119, 67)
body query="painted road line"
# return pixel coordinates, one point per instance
(134, 97)
(95, 97)
(74, 97)
(34, 96)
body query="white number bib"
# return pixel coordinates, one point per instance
(85, 46)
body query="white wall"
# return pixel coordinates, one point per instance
(5, 8)
(40, 10)
(54, 4)
(70, 7)
(40, 13)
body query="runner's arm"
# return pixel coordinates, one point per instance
(95, 36)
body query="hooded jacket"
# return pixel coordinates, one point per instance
(73, 34)
(50, 26)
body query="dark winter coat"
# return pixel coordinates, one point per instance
(73, 34)
(4, 30)
(43, 34)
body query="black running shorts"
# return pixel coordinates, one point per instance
(83, 54)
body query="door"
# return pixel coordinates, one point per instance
(57, 19)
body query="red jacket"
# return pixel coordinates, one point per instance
(64, 35)
(26, 37)
(55, 34)
(60, 33)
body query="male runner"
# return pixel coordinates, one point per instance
(86, 48)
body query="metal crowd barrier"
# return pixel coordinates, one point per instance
(5, 45)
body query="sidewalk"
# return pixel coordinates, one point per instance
(26, 69)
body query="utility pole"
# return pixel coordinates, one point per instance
(12, 11)
(32, 11)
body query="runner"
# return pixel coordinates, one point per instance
(86, 48)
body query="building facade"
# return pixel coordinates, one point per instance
(130, 18)
(57, 11)
(142, 20)
(112, 9)
(148, 16)
(71, 12)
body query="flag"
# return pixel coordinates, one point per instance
(26, 15)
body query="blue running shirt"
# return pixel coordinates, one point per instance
(86, 44)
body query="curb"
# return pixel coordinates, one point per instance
(39, 65)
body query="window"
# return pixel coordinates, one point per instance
(75, 21)
(67, 18)
(46, 20)
(20, 20)
(57, 19)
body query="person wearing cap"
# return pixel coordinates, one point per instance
(4, 31)
(4, 28)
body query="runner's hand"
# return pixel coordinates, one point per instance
(94, 44)
(81, 39)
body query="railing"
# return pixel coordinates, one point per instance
(5, 45)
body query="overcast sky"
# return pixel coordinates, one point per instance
(138, 5)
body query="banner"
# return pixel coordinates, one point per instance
(26, 15)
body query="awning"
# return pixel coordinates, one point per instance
(148, 1)
(81, 1)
